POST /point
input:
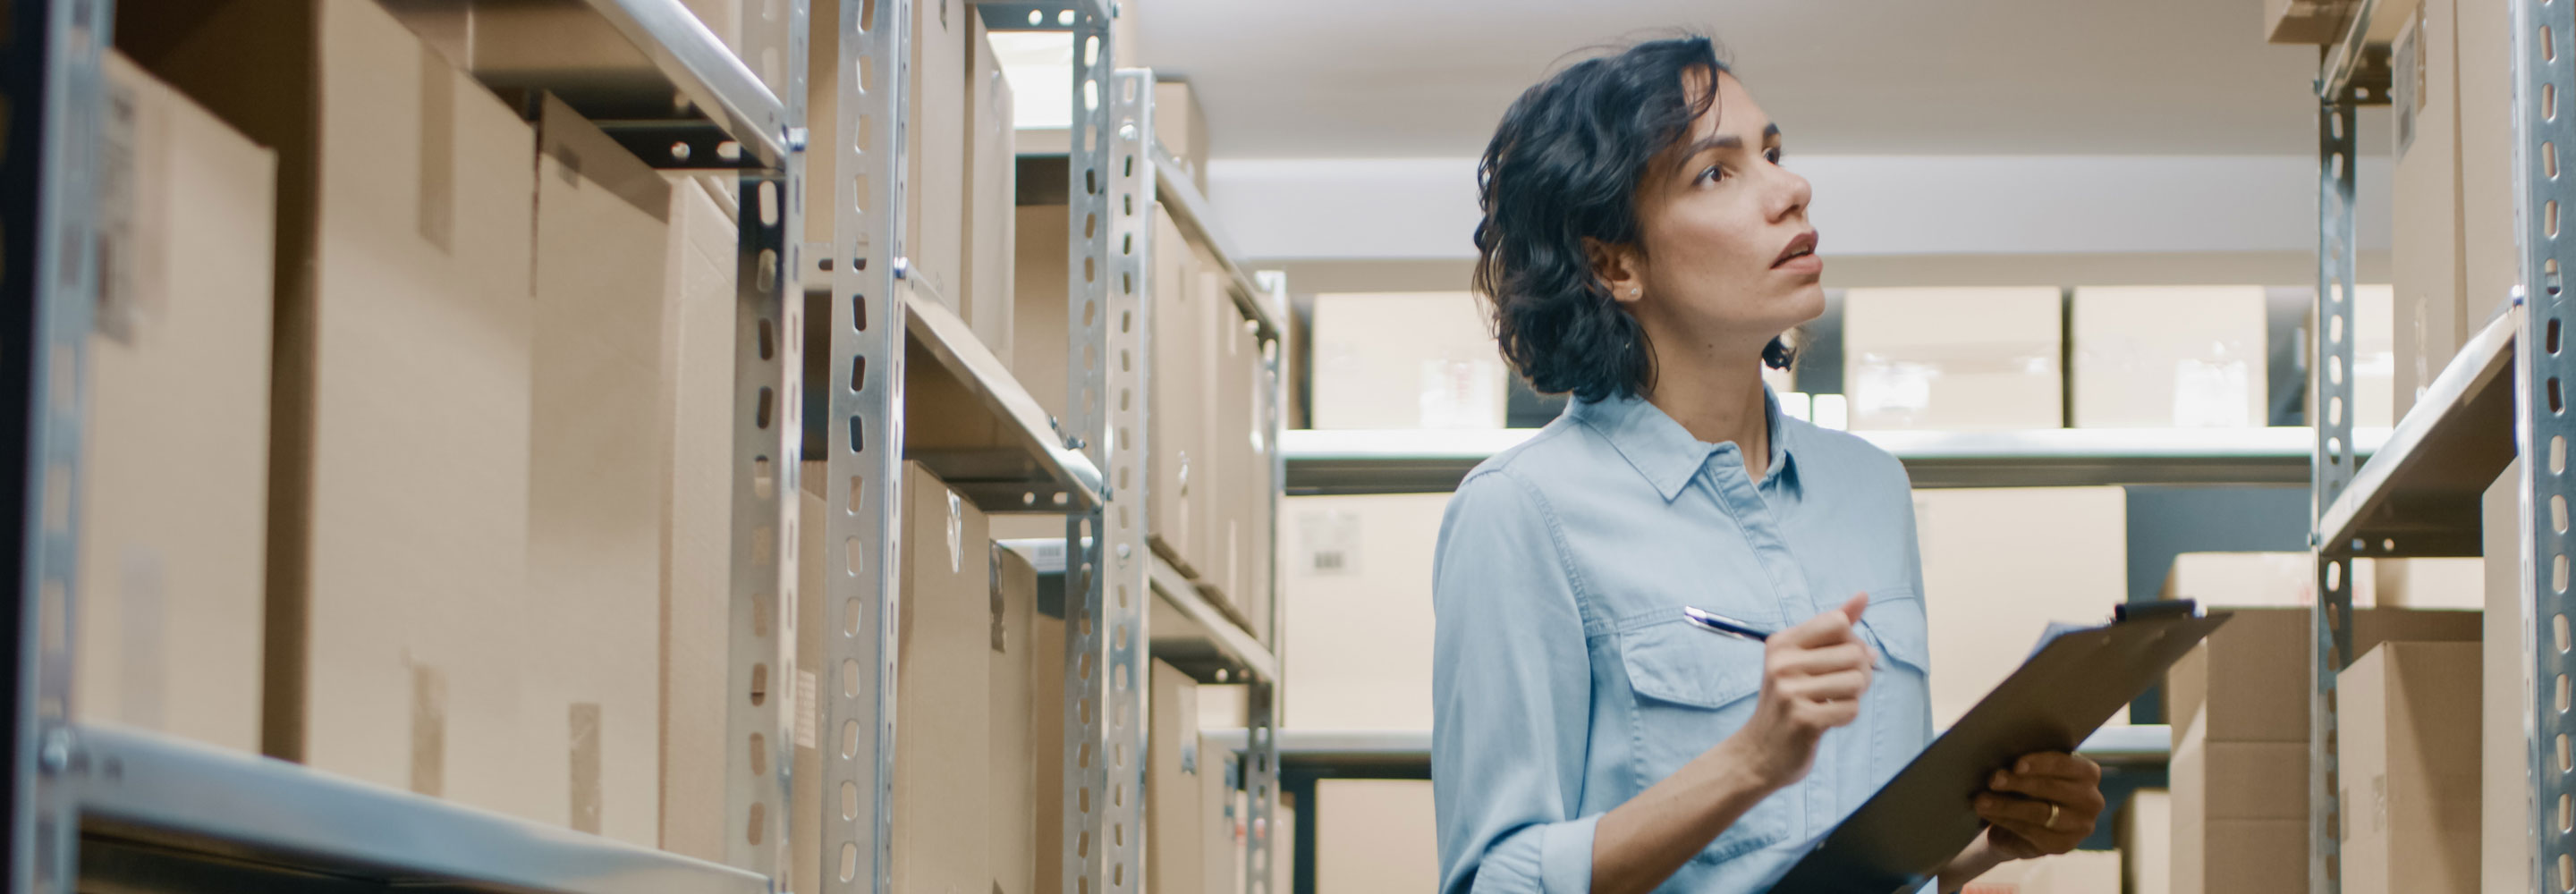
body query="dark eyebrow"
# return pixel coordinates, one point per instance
(1730, 141)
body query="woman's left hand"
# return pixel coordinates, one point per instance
(2043, 804)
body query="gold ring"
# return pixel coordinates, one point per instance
(2051, 825)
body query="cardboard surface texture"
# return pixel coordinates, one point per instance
(992, 179)
(2504, 693)
(2255, 580)
(2078, 872)
(2170, 357)
(2261, 658)
(171, 576)
(1405, 360)
(1999, 565)
(1953, 359)
(1177, 425)
(1039, 311)
(1175, 818)
(934, 216)
(942, 747)
(2145, 829)
(1355, 556)
(2409, 771)
(1374, 836)
(2426, 250)
(1013, 774)
(1182, 128)
(697, 514)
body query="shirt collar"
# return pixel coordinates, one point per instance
(1661, 449)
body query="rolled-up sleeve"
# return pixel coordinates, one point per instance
(1511, 697)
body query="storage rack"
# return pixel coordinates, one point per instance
(120, 806)
(2419, 495)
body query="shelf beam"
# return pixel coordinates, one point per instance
(1197, 220)
(2418, 493)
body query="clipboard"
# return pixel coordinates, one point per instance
(1902, 836)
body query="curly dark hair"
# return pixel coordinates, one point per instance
(1564, 167)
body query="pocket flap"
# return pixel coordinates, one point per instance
(1895, 619)
(1671, 661)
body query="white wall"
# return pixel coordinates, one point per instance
(1425, 208)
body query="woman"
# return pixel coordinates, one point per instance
(1643, 250)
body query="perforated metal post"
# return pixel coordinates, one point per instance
(1261, 746)
(2542, 372)
(1105, 635)
(863, 442)
(50, 90)
(2331, 413)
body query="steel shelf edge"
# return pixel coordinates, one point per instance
(2479, 364)
(1196, 217)
(2116, 744)
(949, 339)
(2343, 57)
(292, 816)
(1046, 555)
(700, 66)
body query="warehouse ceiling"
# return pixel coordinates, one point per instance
(1416, 78)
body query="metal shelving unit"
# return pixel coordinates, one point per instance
(1433, 461)
(2419, 495)
(113, 806)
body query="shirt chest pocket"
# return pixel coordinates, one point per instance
(1899, 704)
(1692, 691)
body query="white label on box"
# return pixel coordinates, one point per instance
(2211, 393)
(1332, 542)
(1893, 387)
(1461, 393)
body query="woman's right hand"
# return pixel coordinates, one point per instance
(1813, 676)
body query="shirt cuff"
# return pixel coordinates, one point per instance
(1565, 856)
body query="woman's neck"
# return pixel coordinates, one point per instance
(1717, 401)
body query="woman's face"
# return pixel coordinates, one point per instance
(1729, 259)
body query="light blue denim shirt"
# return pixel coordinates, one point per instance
(1565, 681)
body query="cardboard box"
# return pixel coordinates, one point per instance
(2490, 263)
(398, 566)
(1182, 128)
(2429, 583)
(2240, 856)
(1175, 818)
(1178, 425)
(2504, 693)
(1234, 453)
(1261, 508)
(596, 470)
(2409, 786)
(697, 524)
(935, 199)
(1040, 310)
(991, 193)
(2145, 830)
(2256, 580)
(1374, 835)
(2077, 872)
(2305, 21)
(2374, 357)
(1999, 565)
(2170, 357)
(1352, 557)
(1406, 360)
(1954, 359)
(942, 745)
(1013, 786)
(813, 626)
(1046, 751)
(1220, 775)
(171, 577)
(2233, 780)
(2426, 253)
(2262, 658)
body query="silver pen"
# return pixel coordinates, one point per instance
(1726, 626)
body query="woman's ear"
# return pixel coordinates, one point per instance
(1619, 269)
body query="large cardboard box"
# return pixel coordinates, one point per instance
(697, 523)
(1040, 309)
(2239, 842)
(944, 688)
(2428, 583)
(1237, 448)
(1013, 786)
(2170, 357)
(2256, 580)
(1352, 557)
(171, 575)
(2145, 830)
(1999, 565)
(2425, 258)
(398, 567)
(2075, 872)
(1182, 128)
(1953, 359)
(2408, 780)
(991, 193)
(596, 471)
(2374, 357)
(935, 199)
(1375, 835)
(2504, 693)
(1175, 813)
(2261, 658)
(2490, 262)
(1406, 360)
(1046, 751)
(1178, 424)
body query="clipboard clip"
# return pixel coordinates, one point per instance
(2154, 610)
